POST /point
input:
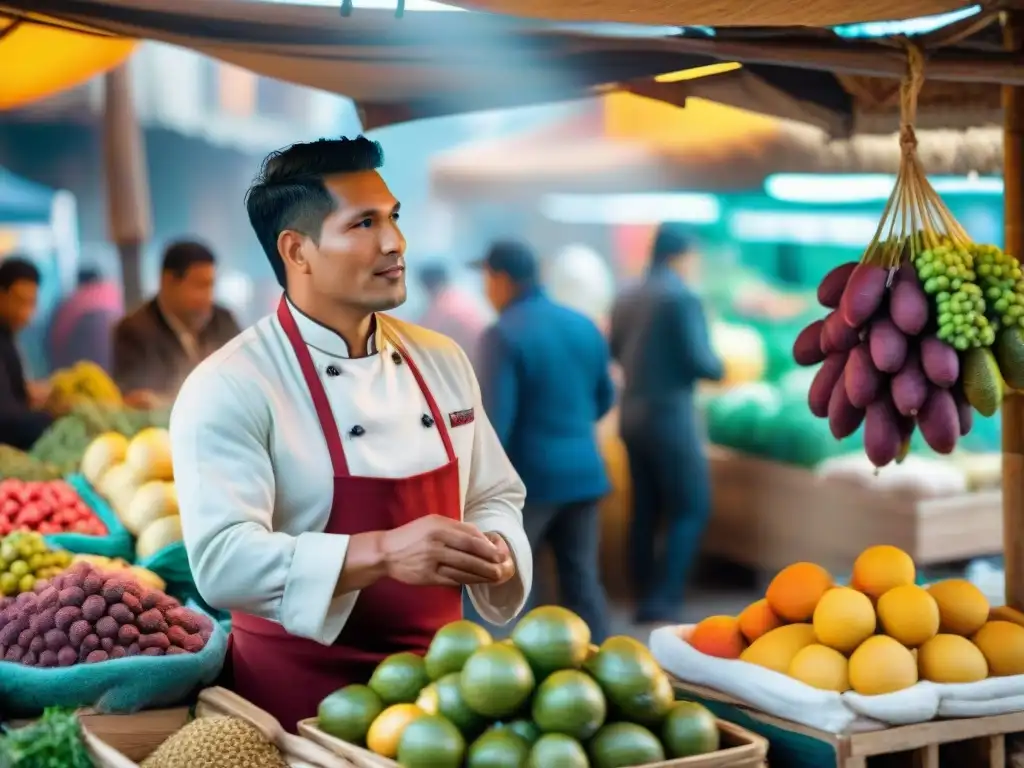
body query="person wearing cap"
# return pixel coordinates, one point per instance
(544, 372)
(659, 336)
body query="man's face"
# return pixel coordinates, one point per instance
(190, 297)
(18, 304)
(499, 288)
(360, 258)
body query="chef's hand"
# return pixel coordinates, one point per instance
(436, 550)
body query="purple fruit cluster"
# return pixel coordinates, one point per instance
(84, 616)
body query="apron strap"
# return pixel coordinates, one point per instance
(435, 412)
(316, 390)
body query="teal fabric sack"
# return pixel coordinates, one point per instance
(170, 564)
(116, 686)
(117, 542)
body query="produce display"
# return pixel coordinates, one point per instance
(234, 742)
(83, 383)
(24, 559)
(116, 565)
(60, 449)
(881, 634)
(45, 507)
(52, 741)
(136, 477)
(544, 697)
(85, 615)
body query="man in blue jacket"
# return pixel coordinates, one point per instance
(660, 338)
(544, 375)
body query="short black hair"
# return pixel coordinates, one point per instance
(289, 192)
(15, 270)
(671, 240)
(181, 255)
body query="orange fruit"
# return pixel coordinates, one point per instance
(387, 729)
(718, 636)
(795, 591)
(879, 569)
(758, 618)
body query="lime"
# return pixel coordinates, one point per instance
(632, 680)
(497, 749)
(618, 745)
(8, 584)
(427, 700)
(451, 705)
(689, 729)
(552, 638)
(496, 681)
(399, 678)
(569, 702)
(452, 645)
(18, 568)
(26, 583)
(349, 713)
(554, 749)
(526, 729)
(431, 742)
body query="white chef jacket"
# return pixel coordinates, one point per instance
(254, 476)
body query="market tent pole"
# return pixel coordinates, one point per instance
(128, 200)
(1013, 405)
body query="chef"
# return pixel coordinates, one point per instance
(339, 482)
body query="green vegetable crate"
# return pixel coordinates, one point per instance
(740, 749)
(124, 741)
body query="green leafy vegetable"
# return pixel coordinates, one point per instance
(52, 741)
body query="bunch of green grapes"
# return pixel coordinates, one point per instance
(1000, 277)
(24, 558)
(947, 273)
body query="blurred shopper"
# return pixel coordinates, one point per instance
(21, 419)
(545, 382)
(451, 311)
(83, 324)
(160, 343)
(660, 338)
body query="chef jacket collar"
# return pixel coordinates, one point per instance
(330, 342)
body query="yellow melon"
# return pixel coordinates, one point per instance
(909, 614)
(152, 501)
(951, 659)
(844, 619)
(157, 535)
(963, 608)
(776, 649)
(1002, 644)
(149, 455)
(882, 665)
(821, 667)
(879, 569)
(104, 452)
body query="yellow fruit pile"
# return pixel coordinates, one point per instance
(137, 478)
(84, 382)
(881, 634)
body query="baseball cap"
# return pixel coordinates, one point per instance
(511, 258)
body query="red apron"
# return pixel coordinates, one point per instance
(288, 676)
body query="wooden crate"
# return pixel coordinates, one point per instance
(977, 742)
(123, 741)
(767, 515)
(741, 749)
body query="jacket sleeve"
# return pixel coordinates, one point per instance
(605, 385)
(498, 382)
(220, 429)
(494, 504)
(695, 351)
(20, 426)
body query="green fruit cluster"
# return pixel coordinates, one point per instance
(947, 272)
(1002, 282)
(24, 558)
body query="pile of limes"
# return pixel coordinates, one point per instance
(24, 558)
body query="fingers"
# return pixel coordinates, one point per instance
(460, 577)
(472, 564)
(445, 577)
(471, 542)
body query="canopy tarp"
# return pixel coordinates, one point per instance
(38, 60)
(23, 201)
(647, 145)
(718, 13)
